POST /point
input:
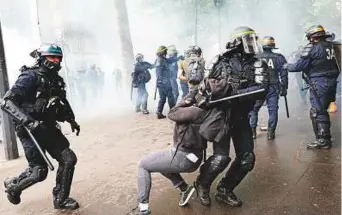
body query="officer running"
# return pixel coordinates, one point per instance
(37, 101)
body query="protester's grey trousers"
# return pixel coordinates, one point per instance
(161, 162)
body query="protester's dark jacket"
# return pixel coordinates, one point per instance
(195, 126)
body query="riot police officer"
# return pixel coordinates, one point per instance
(140, 77)
(275, 64)
(233, 73)
(320, 65)
(173, 58)
(163, 82)
(37, 101)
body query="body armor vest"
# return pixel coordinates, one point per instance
(271, 60)
(325, 65)
(50, 99)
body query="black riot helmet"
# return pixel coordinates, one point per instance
(194, 50)
(316, 32)
(49, 56)
(245, 38)
(161, 51)
(268, 42)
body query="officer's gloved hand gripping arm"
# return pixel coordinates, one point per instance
(14, 97)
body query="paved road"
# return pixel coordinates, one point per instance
(287, 178)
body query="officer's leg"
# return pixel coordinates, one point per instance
(175, 92)
(272, 106)
(212, 167)
(58, 148)
(171, 98)
(185, 89)
(144, 100)
(161, 103)
(138, 99)
(36, 172)
(253, 116)
(320, 118)
(243, 163)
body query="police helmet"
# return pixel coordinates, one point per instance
(46, 56)
(268, 42)
(162, 50)
(139, 57)
(246, 38)
(194, 50)
(316, 31)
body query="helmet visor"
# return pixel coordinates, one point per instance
(251, 44)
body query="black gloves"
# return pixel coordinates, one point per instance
(75, 127)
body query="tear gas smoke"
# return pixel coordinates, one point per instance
(88, 33)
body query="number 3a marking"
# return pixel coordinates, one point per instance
(331, 54)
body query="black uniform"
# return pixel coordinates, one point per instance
(234, 73)
(37, 100)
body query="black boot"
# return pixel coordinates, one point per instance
(324, 138)
(160, 116)
(208, 172)
(271, 133)
(12, 190)
(227, 196)
(66, 204)
(202, 193)
(61, 191)
(254, 133)
(320, 144)
(27, 178)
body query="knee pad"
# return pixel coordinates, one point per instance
(34, 174)
(39, 173)
(219, 162)
(247, 161)
(68, 158)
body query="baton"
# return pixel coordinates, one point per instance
(236, 96)
(287, 107)
(46, 159)
(155, 93)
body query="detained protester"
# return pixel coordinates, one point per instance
(194, 126)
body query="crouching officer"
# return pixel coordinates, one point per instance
(275, 63)
(319, 60)
(37, 101)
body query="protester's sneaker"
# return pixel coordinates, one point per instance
(186, 195)
(136, 211)
(145, 112)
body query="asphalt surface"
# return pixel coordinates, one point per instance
(287, 178)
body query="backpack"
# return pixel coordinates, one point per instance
(147, 76)
(195, 69)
